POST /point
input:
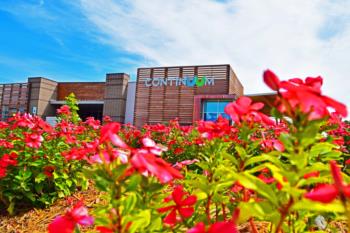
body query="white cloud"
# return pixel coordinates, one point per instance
(251, 35)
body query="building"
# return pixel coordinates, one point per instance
(160, 94)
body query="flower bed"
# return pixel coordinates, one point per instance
(210, 177)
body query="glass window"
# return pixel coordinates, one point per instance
(4, 112)
(211, 109)
(210, 106)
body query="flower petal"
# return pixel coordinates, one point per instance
(61, 224)
(324, 194)
(170, 218)
(186, 212)
(271, 80)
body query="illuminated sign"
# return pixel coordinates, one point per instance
(198, 81)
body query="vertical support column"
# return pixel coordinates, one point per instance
(41, 91)
(115, 96)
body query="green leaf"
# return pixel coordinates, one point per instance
(286, 139)
(251, 182)
(27, 174)
(200, 195)
(260, 210)
(309, 134)
(40, 177)
(241, 152)
(305, 204)
(139, 221)
(272, 157)
(134, 181)
(129, 203)
(11, 207)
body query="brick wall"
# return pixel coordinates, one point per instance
(82, 90)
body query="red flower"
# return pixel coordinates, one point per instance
(107, 119)
(66, 223)
(2, 172)
(103, 229)
(222, 227)
(305, 96)
(327, 193)
(183, 206)
(64, 110)
(75, 154)
(243, 109)
(33, 140)
(266, 179)
(271, 80)
(210, 129)
(179, 150)
(146, 162)
(311, 174)
(48, 170)
(7, 160)
(323, 193)
(6, 144)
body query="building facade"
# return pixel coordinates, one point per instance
(187, 93)
(160, 94)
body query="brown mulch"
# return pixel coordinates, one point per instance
(37, 220)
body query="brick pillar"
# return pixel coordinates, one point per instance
(115, 96)
(41, 91)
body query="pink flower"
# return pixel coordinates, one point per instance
(244, 110)
(270, 144)
(66, 223)
(146, 162)
(109, 133)
(152, 147)
(95, 124)
(107, 157)
(185, 163)
(183, 206)
(33, 140)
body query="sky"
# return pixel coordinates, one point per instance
(82, 40)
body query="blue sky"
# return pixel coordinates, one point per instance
(51, 39)
(82, 40)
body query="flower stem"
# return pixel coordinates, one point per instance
(284, 212)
